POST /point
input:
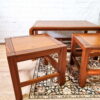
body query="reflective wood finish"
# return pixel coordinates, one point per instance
(90, 45)
(31, 47)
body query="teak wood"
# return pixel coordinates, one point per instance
(31, 47)
(90, 45)
(63, 25)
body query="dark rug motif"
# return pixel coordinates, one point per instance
(50, 89)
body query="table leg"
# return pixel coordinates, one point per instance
(15, 78)
(45, 61)
(96, 58)
(73, 50)
(62, 66)
(98, 31)
(83, 68)
(85, 31)
(31, 32)
(35, 32)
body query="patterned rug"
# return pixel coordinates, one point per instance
(50, 89)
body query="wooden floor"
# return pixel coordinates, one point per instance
(6, 89)
(5, 79)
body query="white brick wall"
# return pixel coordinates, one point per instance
(17, 16)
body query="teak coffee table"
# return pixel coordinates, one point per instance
(31, 47)
(64, 25)
(90, 45)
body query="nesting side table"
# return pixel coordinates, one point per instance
(31, 47)
(90, 45)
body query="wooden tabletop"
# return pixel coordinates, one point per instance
(28, 44)
(88, 40)
(64, 25)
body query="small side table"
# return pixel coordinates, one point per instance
(90, 45)
(31, 47)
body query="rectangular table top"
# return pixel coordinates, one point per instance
(28, 44)
(88, 40)
(64, 25)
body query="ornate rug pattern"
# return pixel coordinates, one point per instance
(50, 89)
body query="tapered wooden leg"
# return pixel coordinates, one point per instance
(83, 68)
(15, 78)
(62, 66)
(73, 50)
